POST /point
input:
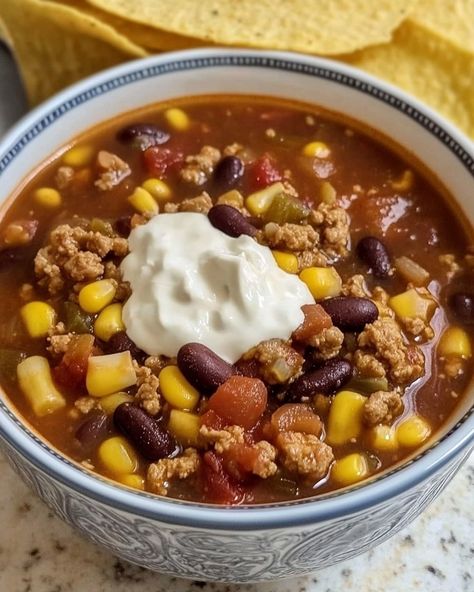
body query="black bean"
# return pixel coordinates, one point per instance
(325, 380)
(93, 430)
(146, 434)
(204, 369)
(142, 135)
(230, 221)
(375, 255)
(228, 171)
(120, 342)
(350, 313)
(462, 304)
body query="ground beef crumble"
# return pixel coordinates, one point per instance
(160, 473)
(113, 170)
(327, 344)
(290, 237)
(74, 254)
(147, 396)
(262, 464)
(86, 404)
(355, 286)
(332, 223)
(199, 167)
(382, 407)
(64, 177)
(277, 361)
(223, 439)
(200, 205)
(304, 454)
(384, 339)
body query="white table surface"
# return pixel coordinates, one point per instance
(39, 553)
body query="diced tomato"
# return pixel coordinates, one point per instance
(240, 401)
(212, 420)
(296, 417)
(158, 160)
(72, 369)
(315, 320)
(218, 486)
(264, 172)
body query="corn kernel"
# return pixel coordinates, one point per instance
(316, 149)
(78, 156)
(345, 417)
(157, 189)
(143, 201)
(109, 321)
(36, 382)
(177, 119)
(258, 203)
(110, 403)
(133, 481)
(350, 469)
(232, 198)
(327, 193)
(185, 427)
(384, 437)
(287, 261)
(47, 197)
(95, 296)
(177, 390)
(38, 317)
(455, 342)
(413, 431)
(118, 456)
(323, 282)
(405, 182)
(413, 305)
(110, 374)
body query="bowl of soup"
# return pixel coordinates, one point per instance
(237, 310)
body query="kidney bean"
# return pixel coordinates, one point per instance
(462, 304)
(229, 220)
(142, 135)
(93, 430)
(146, 434)
(350, 313)
(228, 171)
(326, 380)
(120, 342)
(204, 369)
(374, 254)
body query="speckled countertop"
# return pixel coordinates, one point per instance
(39, 553)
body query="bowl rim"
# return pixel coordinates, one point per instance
(307, 511)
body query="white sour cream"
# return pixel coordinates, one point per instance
(193, 283)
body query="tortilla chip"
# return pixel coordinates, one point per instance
(428, 66)
(454, 20)
(143, 35)
(310, 26)
(56, 45)
(4, 36)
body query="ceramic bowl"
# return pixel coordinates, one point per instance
(254, 543)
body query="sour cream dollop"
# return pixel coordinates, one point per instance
(192, 283)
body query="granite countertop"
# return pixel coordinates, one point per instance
(39, 553)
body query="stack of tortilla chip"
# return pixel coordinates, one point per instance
(424, 46)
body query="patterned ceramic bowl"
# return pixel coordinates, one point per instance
(255, 543)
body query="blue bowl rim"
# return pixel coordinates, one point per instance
(367, 495)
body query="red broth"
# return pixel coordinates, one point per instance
(406, 371)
